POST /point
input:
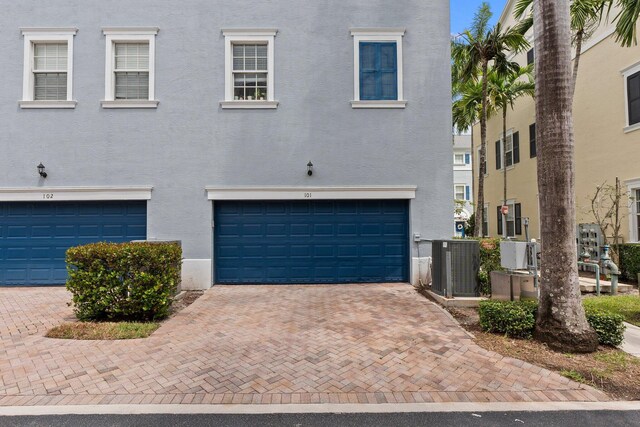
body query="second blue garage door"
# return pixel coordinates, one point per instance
(34, 236)
(360, 241)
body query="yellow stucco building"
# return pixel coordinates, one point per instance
(607, 138)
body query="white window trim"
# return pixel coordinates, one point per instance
(377, 35)
(464, 191)
(632, 186)
(248, 35)
(456, 163)
(311, 193)
(35, 35)
(128, 34)
(626, 73)
(486, 217)
(503, 164)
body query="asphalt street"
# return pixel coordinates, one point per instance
(549, 419)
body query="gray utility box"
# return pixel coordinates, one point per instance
(455, 268)
(507, 286)
(513, 255)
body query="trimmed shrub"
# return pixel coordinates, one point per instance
(123, 281)
(609, 326)
(517, 319)
(629, 261)
(512, 318)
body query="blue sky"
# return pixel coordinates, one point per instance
(462, 12)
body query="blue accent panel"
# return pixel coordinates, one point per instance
(324, 241)
(34, 236)
(467, 158)
(467, 190)
(378, 71)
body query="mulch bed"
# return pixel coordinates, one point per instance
(609, 369)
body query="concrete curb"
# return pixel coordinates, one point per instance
(319, 408)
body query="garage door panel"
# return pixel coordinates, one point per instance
(311, 241)
(34, 237)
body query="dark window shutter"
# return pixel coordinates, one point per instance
(467, 158)
(516, 148)
(378, 71)
(498, 156)
(499, 220)
(518, 217)
(633, 95)
(531, 56)
(532, 141)
(467, 191)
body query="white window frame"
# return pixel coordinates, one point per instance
(626, 73)
(485, 220)
(511, 214)
(46, 35)
(464, 191)
(503, 163)
(377, 35)
(249, 35)
(457, 163)
(632, 187)
(132, 35)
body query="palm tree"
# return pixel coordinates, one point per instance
(626, 20)
(504, 90)
(586, 16)
(561, 320)
(472, 51)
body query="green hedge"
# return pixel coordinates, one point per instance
(629, 261)
(512, 318)
(517, 319)
(123, 281)
(609, 326)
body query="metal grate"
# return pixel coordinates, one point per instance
(465, 263)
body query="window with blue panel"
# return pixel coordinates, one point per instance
(378, 71)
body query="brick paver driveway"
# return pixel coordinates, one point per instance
(267, 344)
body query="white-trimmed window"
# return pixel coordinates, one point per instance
(633, 187)
(377, 63)
(631, 77)
(249, 69)
(48, 68)
(485, 221)
(130, 68)
(458, 159)
(462, 192)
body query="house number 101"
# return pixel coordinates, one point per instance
(307, 195)
(47, 196)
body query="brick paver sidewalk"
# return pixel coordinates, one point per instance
(267, 344)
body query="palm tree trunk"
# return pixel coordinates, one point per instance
(483, 151)
(504, 168)
(576, 61)
(561, 319)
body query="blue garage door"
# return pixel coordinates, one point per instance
(35, 236)
(311, 241)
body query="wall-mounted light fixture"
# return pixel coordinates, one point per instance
(41, 170)
(309, 168)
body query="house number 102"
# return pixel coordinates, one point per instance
(47, 196)
(307, 195)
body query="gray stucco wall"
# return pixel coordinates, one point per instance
(189, 142)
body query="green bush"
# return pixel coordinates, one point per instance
(517, 319)
(609, 326)
(489, 261)
(512, 318)
(123, 281)
(629, 261)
